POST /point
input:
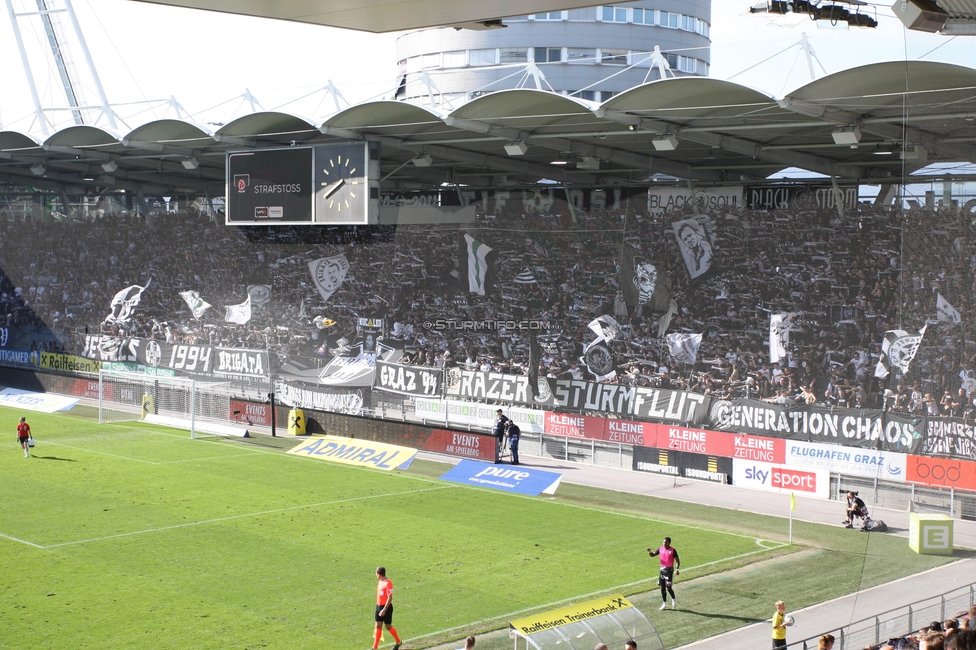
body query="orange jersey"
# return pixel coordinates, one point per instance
(384, 591)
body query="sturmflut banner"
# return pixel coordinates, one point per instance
(613, 399)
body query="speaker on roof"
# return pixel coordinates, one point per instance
(921, 15)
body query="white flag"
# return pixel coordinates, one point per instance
(897, 351)
(124, 302)
(328, 274)
(779, 335)
(260, 294)
(238, 314)
(684, 347)
(196, 304)
(947, 313)
(477, 265)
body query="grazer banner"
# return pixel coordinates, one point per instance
(952, 437)
(613, 399)
(777, 478)
(408, 380)
(681, 463)
(853, 461)
(869, 428)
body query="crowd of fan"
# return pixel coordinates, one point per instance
(848, 278)
(956, 633)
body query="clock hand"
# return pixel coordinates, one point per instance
(332, 189)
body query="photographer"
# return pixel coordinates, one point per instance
(514, 433)
(498, 430)
(855, 508)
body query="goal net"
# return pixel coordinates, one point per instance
(201, 407)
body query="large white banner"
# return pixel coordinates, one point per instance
(779, 478)
(838, 459)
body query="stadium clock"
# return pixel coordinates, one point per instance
(341, 183)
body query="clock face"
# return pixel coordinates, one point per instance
(341, 190)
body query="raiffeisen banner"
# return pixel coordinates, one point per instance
(504, 477)
(353, 451)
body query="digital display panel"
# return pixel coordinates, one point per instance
(268, 187)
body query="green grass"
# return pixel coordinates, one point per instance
(130, 536)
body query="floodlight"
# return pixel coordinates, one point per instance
(665, 143)
(38, 169)
(423, 160)
(191, 162)
(516, 148)
(846, 135)
(110, 166)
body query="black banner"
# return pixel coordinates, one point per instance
(408, 380)
(185, 358)
(682, 463)
(868, 428)
(334, 400)
(800, 197)
(952, 437)
(624, 401)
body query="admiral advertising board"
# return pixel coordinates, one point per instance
(779, 478)
(680, 463)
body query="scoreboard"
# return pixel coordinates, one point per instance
(325, 184)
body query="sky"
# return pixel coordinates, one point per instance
(145, 54)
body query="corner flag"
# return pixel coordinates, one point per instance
(792, 502)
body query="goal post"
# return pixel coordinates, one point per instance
(200, 406)
(129, 396)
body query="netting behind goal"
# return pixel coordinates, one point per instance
(176, 401)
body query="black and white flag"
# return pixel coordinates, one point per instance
(684, 347)
(328, 274)
(642, 282)
(196, 304)
(695, 241)
(124, 302)
(897, 351)
(260, 294)
(238, 314)
(525, 277)
(779, 335)
(597, 355)
(947, 313)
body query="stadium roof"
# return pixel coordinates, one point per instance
(890, 118)
(958, 16)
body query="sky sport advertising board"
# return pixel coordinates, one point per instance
(779, 478)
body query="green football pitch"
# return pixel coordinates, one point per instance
(133, 536)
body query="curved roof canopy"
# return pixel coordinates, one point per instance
(871, 124)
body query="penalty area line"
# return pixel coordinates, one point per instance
(22, 541)
(575, 599)
(241, 516)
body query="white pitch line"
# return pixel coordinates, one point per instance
(103, 453)
(22, 541)
(241, 516)
(576, 599)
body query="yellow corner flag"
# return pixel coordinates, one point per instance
(792, 501)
